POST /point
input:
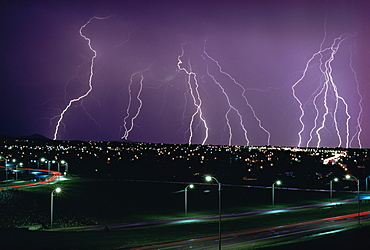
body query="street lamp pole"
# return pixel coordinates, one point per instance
(331, 187)
(58, 164)
(16, 169)
(358, 195)
(15, 163)
(273, 191)
(6, 169)
(57, 190)
(209, 178)
(46, 161)
(186, 197)
(66, 168)
(6, 172)
(367, 187)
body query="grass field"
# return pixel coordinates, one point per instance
(107, 202)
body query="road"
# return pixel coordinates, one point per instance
(246, 239)
(51, 179)
(200, 218)
(265, 236)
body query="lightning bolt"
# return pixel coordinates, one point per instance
(327, 100)
(329, 80)
(183, 107)
(127, 128)
(328, 86)
(231, 107)
(243, 94)
(71, 102)
(194, 92)
(359, 116)
(300, 103)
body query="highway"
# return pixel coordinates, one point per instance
(246, 239)
(268, 235)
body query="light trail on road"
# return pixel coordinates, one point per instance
(244, 237)
(54, 177)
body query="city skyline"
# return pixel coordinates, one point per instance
(248, 73)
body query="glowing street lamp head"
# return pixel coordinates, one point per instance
(278, 182)
(58, 190)
(335, 179)
(348, 176)
(63, 161)
(42, 159)
(191, 186)
(208, 178)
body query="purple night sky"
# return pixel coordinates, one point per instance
(284, 73)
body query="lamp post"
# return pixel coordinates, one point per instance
(63, 162)
(57, 190)
(367, 187)
(208, 179)
(14, 161)
(5, 160)
(54, 161)
(6, 169)
(46, 161)
(273, 191)
(191, 186)
(16, 169)
(331, 187)
(358, 195)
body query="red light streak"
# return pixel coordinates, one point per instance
(49, 180)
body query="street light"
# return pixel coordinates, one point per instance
(16, 169)
(191, 186)
(6, 169)
(331, 187)
(208, 179)
(367, 187)
(63, 162)
(46, 161)
(54, 161)
(2, 157)
(273, 191)
(15, 163)
(57, 190)
(358, 194)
